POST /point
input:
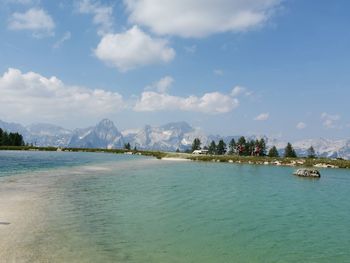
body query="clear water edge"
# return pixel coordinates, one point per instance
(113, 208)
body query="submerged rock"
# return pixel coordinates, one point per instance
(308, 173)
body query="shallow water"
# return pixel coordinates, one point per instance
(116, 208)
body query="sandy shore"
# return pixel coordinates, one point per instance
(21, 215)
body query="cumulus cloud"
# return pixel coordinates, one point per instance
(330, 121)
(162, 86)
(133, 48)
(102, 15)
(33, 97)
(301, 126)
(262, 117)
(36, 20)
(161, 100)
(193, 18)
(239, 90)
(212, 103)
(66, 36)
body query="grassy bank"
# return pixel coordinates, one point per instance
(304, 162)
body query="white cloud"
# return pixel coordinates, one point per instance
(162, 86)
(32, 97)
(63, 39)
(193, 18)
(218, 72)
(301, 126)
(102, 15)
(239, 90)
(132, 49)
(262, 117)
(330, 121)
(191, 49)
(212, 103)
(36, 20)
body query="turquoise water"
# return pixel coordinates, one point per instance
(139, 209)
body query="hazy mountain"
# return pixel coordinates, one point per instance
(168, 137)
(43, 134)
(103, 135)
(325, 147)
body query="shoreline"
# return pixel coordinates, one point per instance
(173, 156)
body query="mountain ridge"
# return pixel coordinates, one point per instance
(167, 137)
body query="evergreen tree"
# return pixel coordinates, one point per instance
(221, 148)
(311, 152)
(232, 146)
(127, 146)
(177, 150)
(212, 148)
(289, 152)
(273, 152)
(262, 147)
(196, 145)
(1, 135)
(242, 146)
(10, 139)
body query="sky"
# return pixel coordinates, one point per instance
(279, 68)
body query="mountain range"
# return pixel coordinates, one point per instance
(168, 137)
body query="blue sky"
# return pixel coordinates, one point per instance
(280, 68)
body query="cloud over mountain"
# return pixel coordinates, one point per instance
(28, 96)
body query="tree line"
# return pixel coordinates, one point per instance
(11, 139)
(244, 147)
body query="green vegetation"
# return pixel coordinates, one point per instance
(273, 152)
(10, 139)
(242, 147)
(212, 148)
(221, 148)
(311, 152)
(127, 146)
(289, 151)
(196, 145)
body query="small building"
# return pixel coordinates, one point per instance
(201, 152)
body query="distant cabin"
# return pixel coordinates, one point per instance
(200, 152)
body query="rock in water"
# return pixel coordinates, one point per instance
(308, 173)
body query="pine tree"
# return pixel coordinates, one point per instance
(289, 152)
(311, 152)
(212, 149)
(1, 135)
(127, 146)
(242, 146)
(221, 148)
(196, 145)
(262, 147)
(232, 146)
(273, 152)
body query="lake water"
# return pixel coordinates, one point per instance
(96, 207)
